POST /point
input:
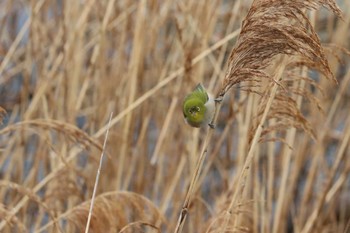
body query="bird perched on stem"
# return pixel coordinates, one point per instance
(199, 107)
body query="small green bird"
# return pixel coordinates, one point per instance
(199, 107)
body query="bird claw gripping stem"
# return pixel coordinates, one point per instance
(211, 125)
(219, 99)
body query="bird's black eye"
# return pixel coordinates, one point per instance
(194, 110)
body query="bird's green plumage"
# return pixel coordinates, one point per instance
(194, 106)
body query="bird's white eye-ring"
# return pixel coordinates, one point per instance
(194, 110)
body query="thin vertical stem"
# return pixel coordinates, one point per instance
(98, 176)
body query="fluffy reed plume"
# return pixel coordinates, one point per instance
(113, 212)
(277, 159)
(272, 28)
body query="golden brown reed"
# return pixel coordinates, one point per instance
(278, 160)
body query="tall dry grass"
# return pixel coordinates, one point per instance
(277, 161)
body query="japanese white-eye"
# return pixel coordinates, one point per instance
(198, 107)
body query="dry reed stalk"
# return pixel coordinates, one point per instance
(167, 80)
(220, 60)
(194, 179)
(268, 53)
(107, 206)
(2, 115)
(71, 65)
(134, 67)
(32, 197)
(39, 186)
(135, 155)
(64, 128)
(260, 40)
(97, 177)
(319, 146)
(290, 140)
(237, 196)
(311, 221)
